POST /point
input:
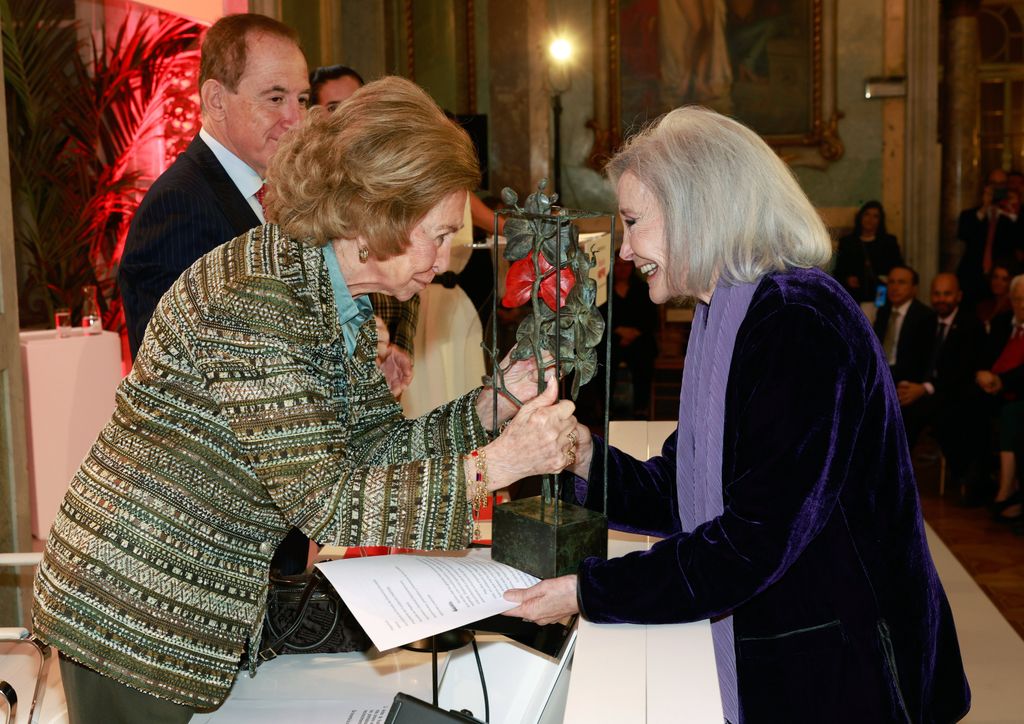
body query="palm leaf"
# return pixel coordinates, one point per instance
(75, 120)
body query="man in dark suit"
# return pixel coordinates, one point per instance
(946, 400)
(253, 86)
(905, 326)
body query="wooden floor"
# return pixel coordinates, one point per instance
(990, 552)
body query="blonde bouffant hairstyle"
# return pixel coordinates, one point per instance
(732, 209)
(370, 169)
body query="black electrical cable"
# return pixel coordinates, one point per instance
(483, 682)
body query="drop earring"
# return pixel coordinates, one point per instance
(364, 254)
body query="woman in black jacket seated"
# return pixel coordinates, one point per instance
(866, 255)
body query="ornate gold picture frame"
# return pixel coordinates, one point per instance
(770, 64)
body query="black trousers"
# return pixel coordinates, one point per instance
(93, 698)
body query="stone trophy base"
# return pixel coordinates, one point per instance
(526, 535)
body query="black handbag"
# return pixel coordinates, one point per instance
(305, 615)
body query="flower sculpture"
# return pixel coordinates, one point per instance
(551, 272)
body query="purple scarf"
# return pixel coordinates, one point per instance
(699, 450)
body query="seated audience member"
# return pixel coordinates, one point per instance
(866, 255)
(945, 400)
(1003, 383)
(905, 326)
(991, 235)
(998, 300)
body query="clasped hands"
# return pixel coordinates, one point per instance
(910, 392)
(544, 435)
(989, 382)
(541, 437)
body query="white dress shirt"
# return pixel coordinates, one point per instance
(897, 315)
(245, 178)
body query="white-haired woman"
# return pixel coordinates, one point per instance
(786, 498)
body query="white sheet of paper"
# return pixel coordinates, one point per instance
(406, 597)
(313, 711)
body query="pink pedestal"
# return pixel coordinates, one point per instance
(69, 396)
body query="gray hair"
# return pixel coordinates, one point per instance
(732, 209)
(1015, 282)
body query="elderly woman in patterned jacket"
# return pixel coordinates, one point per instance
(255, 405)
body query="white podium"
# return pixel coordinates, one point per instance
(69, 396)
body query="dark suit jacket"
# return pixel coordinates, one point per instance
(999, 334)
(191, 209)
(820, 554)
(915, 343)
(1000, 329)
(960, 356)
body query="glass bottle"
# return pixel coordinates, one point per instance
(92, 322)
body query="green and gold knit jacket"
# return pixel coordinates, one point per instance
(243, 416)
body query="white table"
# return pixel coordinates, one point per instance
(69, 396)
(642, 674)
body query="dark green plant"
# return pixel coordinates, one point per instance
(77, 112)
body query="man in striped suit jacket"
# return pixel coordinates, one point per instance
(254, 85)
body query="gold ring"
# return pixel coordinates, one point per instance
(570, 454)
(572, 438)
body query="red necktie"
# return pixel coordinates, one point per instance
(261, 194)
(986, 259)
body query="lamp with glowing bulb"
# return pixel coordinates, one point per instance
(559, 79)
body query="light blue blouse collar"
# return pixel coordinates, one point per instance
(352, 312)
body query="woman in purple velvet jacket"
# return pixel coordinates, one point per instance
(786, 498)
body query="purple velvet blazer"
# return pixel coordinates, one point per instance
(820, 553)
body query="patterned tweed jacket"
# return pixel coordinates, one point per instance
(243, 416)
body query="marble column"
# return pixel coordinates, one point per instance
(961, 120)
(922, 152)
(520, 108)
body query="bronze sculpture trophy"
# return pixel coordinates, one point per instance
(547, 536)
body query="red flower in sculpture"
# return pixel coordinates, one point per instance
(519, 283)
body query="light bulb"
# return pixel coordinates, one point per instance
(561, 50)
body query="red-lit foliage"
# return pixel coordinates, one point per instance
(78, 112)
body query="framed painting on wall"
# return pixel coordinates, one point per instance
(769, 63)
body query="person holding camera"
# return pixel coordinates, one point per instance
(991, 234)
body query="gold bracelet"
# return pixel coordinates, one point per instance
(478, 496)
